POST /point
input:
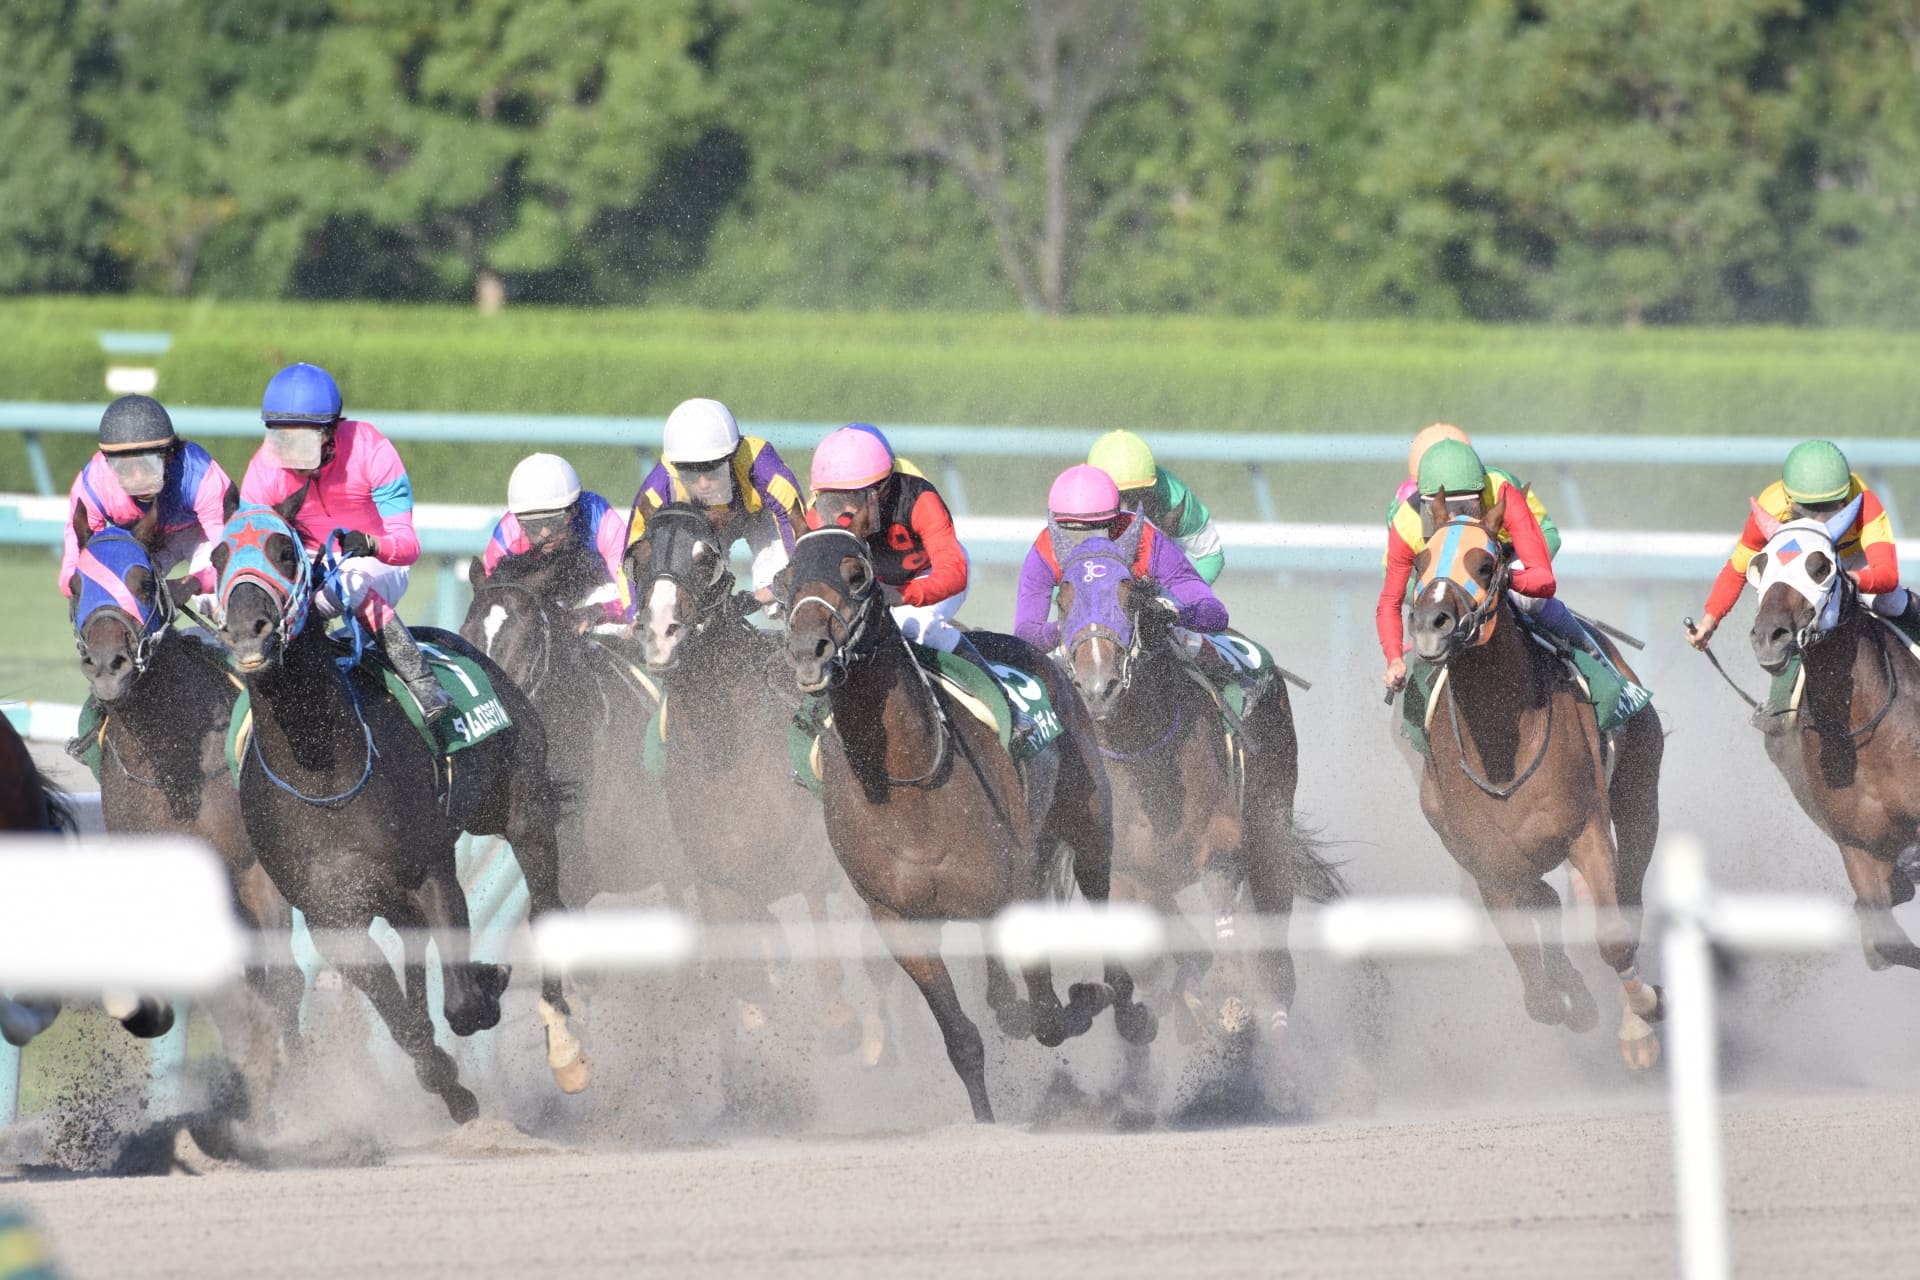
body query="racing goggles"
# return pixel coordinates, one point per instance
(297, 448)
(140, 472)
(545, 526)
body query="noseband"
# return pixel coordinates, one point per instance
(857, 629)
(102, 588)
(705, 596)
(1477, 605)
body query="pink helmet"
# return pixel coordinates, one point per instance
(1083, 492)
(850, 458)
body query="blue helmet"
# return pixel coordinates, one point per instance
(301, 393)
(873, 431)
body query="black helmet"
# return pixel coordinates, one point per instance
(135, 422)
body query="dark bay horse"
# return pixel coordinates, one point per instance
(28, 803)
(931, 817)
(1191, 803)
(751, 835)
(340, 793)
(168, 698)
(528, 616)
(1517, 781)
(1851, 749)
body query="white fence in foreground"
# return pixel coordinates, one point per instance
(153, 916)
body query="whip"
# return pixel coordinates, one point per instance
(1723, 674)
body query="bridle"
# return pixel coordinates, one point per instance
(1478, 604)
(705, 596)
(540, 669)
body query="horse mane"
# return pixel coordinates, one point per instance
(560, 571)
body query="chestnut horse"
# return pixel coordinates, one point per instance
(750, 833)
(340, 793)
(1516, 781)
(1190, 804)
(931, 817)
(1850, 750)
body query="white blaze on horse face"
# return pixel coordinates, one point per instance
(496, 618)
(663, 603)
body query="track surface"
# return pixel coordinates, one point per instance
(1817, 1187)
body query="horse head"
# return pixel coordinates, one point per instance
(1098, 626)
(121, 608)
(523, 610)
(832, 600)
(266, 583)
(1798, 578)
(680, 576)
(1460, 579)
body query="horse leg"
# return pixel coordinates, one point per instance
(840, 1027)
(1014, 1015)
(751, 988)
(347, 947)
(472, 991)
(144, 1017)
(535, 847)
(1192, 957)
(1089, 834)
(1592, 854)
(1881, 938)
(1526, 942)
(929, 972)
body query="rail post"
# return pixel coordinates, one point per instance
(1693, 1068)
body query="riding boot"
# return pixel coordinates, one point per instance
(1559, 620)
(1023, 724)
(397, 642)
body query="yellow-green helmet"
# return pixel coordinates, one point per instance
(1126, 457)
(1451, 467)
(1816, 472)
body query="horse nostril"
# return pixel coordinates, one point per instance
(119, 662)
(820, 647)
(260, 626)
(1778, 636)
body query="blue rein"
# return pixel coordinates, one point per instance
(366, 771)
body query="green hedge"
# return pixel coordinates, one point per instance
(1164, 374)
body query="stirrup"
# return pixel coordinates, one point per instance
(433, 709)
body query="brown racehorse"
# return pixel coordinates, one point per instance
(932, 819)
(1190, 804)
(1516, 781)
(1849, 752)
(751, 835)
(28, 803)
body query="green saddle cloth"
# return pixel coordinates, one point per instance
(1606, 693)
(994, 695)
(477, 714)
(1253, 670)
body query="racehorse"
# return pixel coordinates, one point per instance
(751, 835)
(1517, 781)
(930, 816)
(168, 699)
(1849, 751)
(527, 616)
(1192, 802)
(341, 796)
(28, 803)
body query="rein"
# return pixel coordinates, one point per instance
(853, 650)
(1123, 757)
(1497, 792)
(366, 771)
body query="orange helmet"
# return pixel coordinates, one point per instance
(1426, 438)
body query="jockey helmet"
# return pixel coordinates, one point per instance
(1426, 438)
(1451, 467)
(542, 482)
(1126, 457)
(699, 431)
(302, 394)
(854, 457)
(1816, 472)
(134, 423)
(1083, 494)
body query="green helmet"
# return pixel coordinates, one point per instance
(1451, 467)
(1126, 457)
(1816, 472)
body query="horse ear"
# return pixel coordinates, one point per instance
(146, 530)
(229, 502)
(476, 572)
(82, 529)
(222, 552)
(1842, 520)
(1129, 543)
(1496, 515)
(1763, 520)
(1431, 513)
(73, 596)
(290, 508)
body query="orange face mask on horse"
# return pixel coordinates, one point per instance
(1460, 579)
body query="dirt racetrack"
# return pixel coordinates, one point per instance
(1818, 1187)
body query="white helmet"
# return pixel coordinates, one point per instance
(699, 431)
(542, 482)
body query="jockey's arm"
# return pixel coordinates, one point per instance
(210, 499)
(1882, 572)
(1199, 609)
(779, 494)
(395, 543)
(70, 553)
(946, 573)
(1033, 605)
(1533, 567)
(768, 541)
(1731, 580)
(610, 540)
(1387, 622)
(507, 540)
(1195, 530)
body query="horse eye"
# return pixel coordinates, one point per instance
(1819, 567)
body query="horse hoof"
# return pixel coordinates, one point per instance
(573, 1077)
(1136, 1023)
(1659, 1011)
(841, 1032)
(151, 1020)
(1094, 997)
(1875, 961)
(1235, 1015)
(1582, 1014)
(461, 1104)
(873, 1042)
(1641, 1053)
(1015, 1019)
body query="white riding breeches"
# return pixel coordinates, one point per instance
(372, 587)
(932, 624)
(1888, 604)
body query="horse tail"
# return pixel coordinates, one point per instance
(58, 806)
(1313, 874)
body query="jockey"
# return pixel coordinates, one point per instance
(1167, 504)
(747, 491)
(140, 462)
(1817, 482)
(1083, 502)
(921, 565)
(1426, 438)
(1453, 472)
(547, 511)
(353, 480)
